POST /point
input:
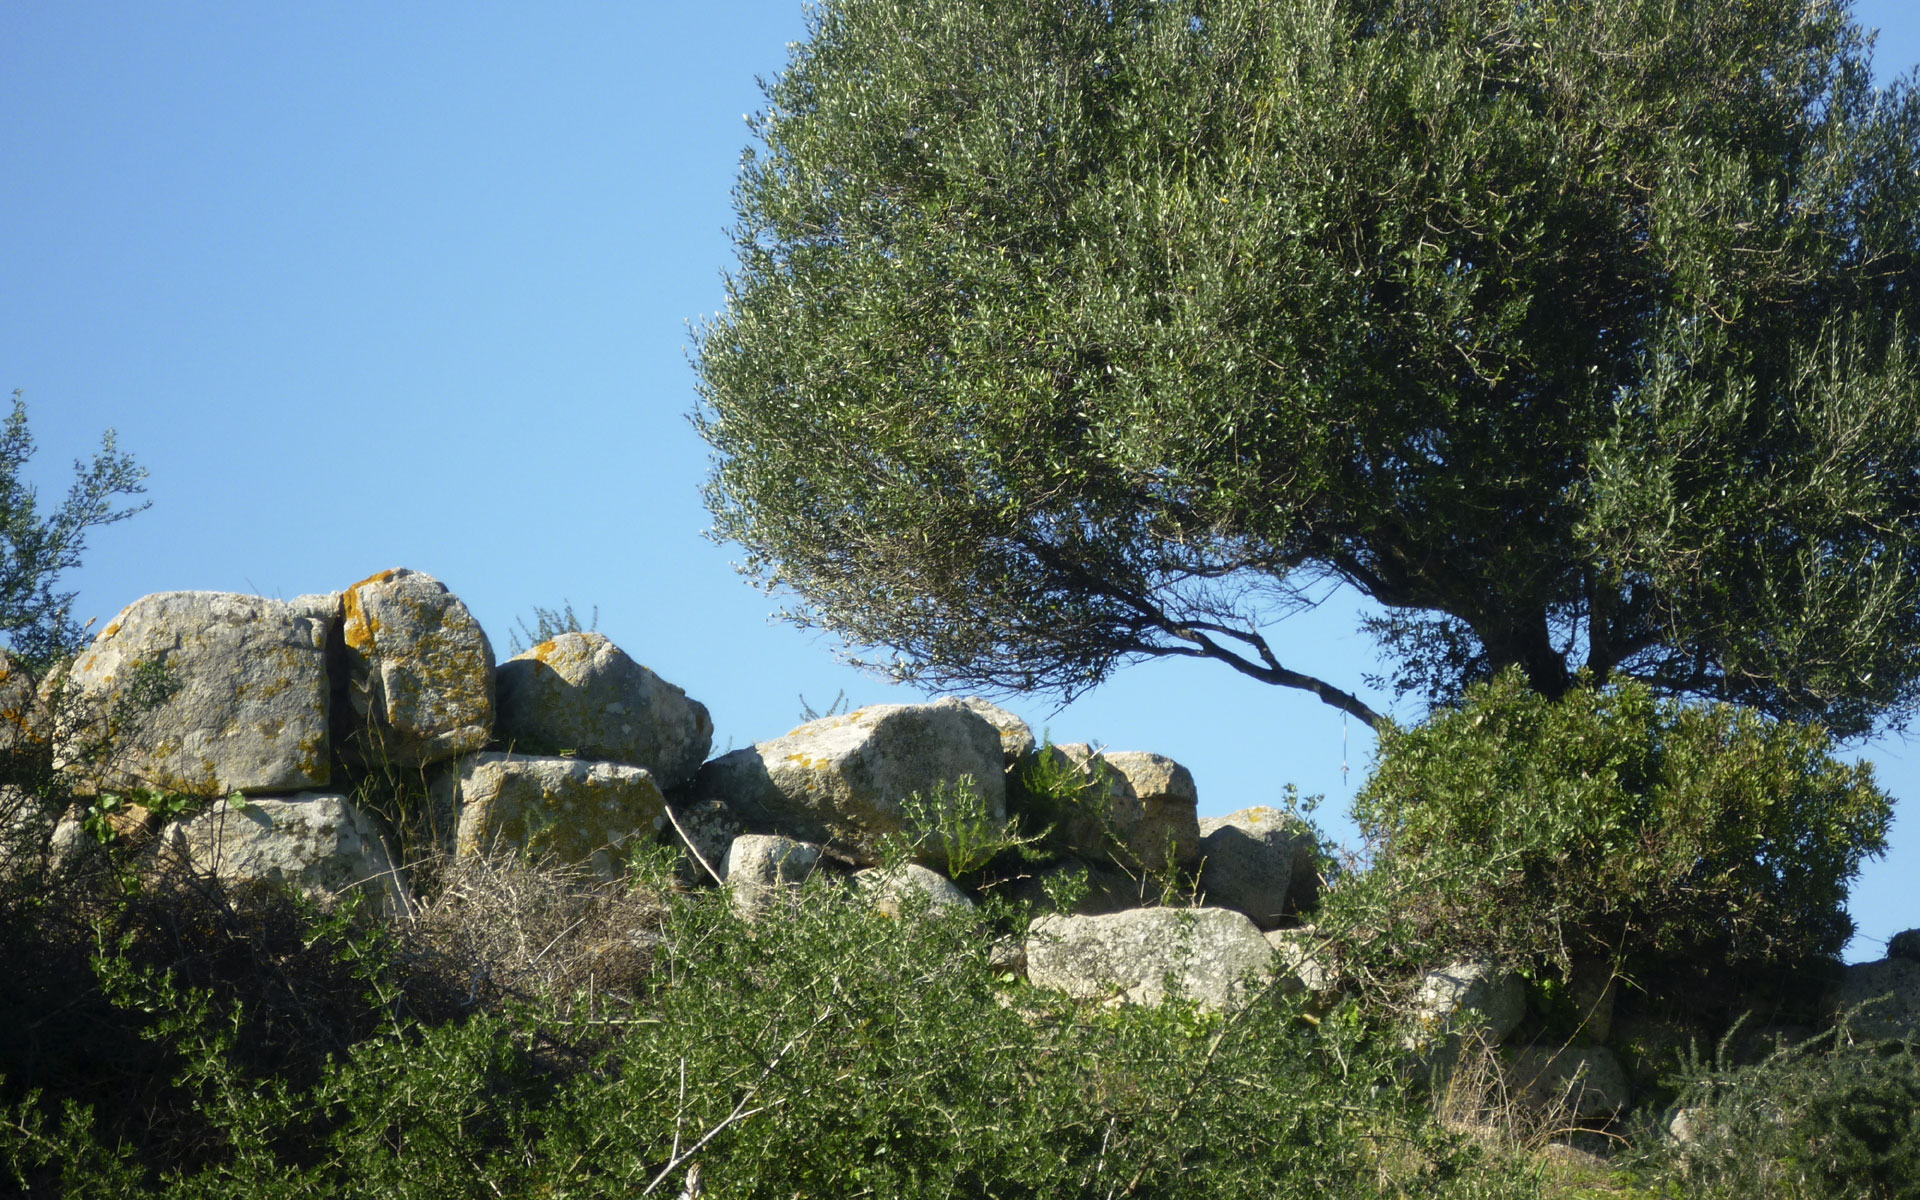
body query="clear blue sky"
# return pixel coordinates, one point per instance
(373, 285)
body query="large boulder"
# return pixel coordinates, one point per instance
(845, 781)
(1135, 809)
(1883, 998)
(1209, 955)
(418, 673)
(317, 843)
(1249, 861)
(563, 809)
(580, 694)
(203, 693)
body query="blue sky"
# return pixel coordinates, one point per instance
(370, 285)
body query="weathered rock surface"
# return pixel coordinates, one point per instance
(1584, 1082)
(418, 684)
(1890, 990)
(1208, 953)
(1138, 810)
(204, 693)
(1248, 861)
(842, 781)
(565, 809)
(1016, 736)
(759, 868)
(1480, 997)
(581, 694)
(709, 828)
(317, 843)
(892, 890)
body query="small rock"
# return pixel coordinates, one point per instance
(761, 867)
(892, 888)
(1464, 996)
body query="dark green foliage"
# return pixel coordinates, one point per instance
(1827, 1120)
(1574, 333)
(1610, 824)
(822, 1050)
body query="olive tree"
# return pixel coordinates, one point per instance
(1577, 336)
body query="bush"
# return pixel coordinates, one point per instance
(1614, 825)
(834, 1051)
(1826, 1120)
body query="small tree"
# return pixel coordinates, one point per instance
(1577, 334)
(36, 618)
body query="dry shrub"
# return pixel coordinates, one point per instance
(506, 928)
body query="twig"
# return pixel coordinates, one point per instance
(698, 857)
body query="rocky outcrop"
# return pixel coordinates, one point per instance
(1213, 956)
(565, 809)
(316, 843)
(1249, 861)
(201, 693)
(417, 683)
(846, 781)
(582, 695)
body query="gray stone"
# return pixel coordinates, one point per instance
(1905, 944)
(892, 889)
(761, 868)
(26, 828)
(317, 843)
(1584, 1082)
(845, 781)
(244, 681)
(418, 686)
(580, 694)
(1016, 736)
(565, 809)
(1248, 860)
(1137, 810)
(1209, 955)
(1469, 997)
(1887, 994)
(1108, 889)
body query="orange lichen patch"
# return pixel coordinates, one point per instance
(546, 650)
(381, 577)
(359, 627)
(109, 631)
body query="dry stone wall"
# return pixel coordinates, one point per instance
(277, 714)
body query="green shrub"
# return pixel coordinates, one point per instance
(1615, 825)
(1825, 1120)
(832, 1052)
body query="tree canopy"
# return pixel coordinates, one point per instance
(1578, 335)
